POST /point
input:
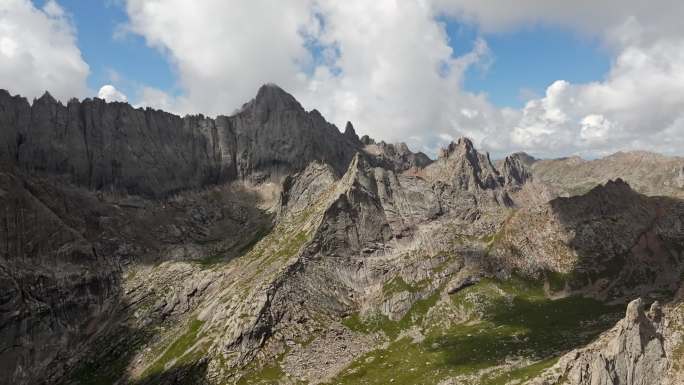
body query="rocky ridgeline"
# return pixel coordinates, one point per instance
(647, 172)
(113, 146)
(268, 247)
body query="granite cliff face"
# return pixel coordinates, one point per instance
(112, 146)
(139, 247)
(57, 290)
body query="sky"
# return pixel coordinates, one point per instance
(552, 78)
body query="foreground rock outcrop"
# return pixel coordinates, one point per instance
(644, 348)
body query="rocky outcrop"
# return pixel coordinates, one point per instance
(355, 221)
(632, 353)
(301, 189)
(397, 157)
(366, 140)
(463, 167)
(515, 169)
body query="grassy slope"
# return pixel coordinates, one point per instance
(518, 323)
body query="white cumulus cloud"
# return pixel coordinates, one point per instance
(385, 65)
(640, 102)
(38, 51)
(109, 93)
(388, 66)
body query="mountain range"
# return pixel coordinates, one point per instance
(269, 247)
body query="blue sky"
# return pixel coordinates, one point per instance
(514, 73)
(529, 60)
(109, 52)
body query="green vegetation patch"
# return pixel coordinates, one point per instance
(517, 322)
(520, 375)
(392, 329)
(179, 351)
(557, 281)
(397, 285)
(272, 373)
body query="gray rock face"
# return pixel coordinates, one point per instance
(355, 221)
(366, 140)
(631, 354)
(397, 157)
(275, 136)
(56, 291)
(515, 169)
(462, 166)
(300, 190)
(112, 146)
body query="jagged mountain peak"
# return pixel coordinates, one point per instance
(523, 157)
(462, 166)
(367, 140)
(272, 97)
(617, 188)
(46, 98)
(350, 133)
(515, 169)
(460, 146)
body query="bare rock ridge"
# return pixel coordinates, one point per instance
(397, 156)
(113, 146)
(467, 169)
(515, 169)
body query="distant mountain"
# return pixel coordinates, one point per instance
(647, 172)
